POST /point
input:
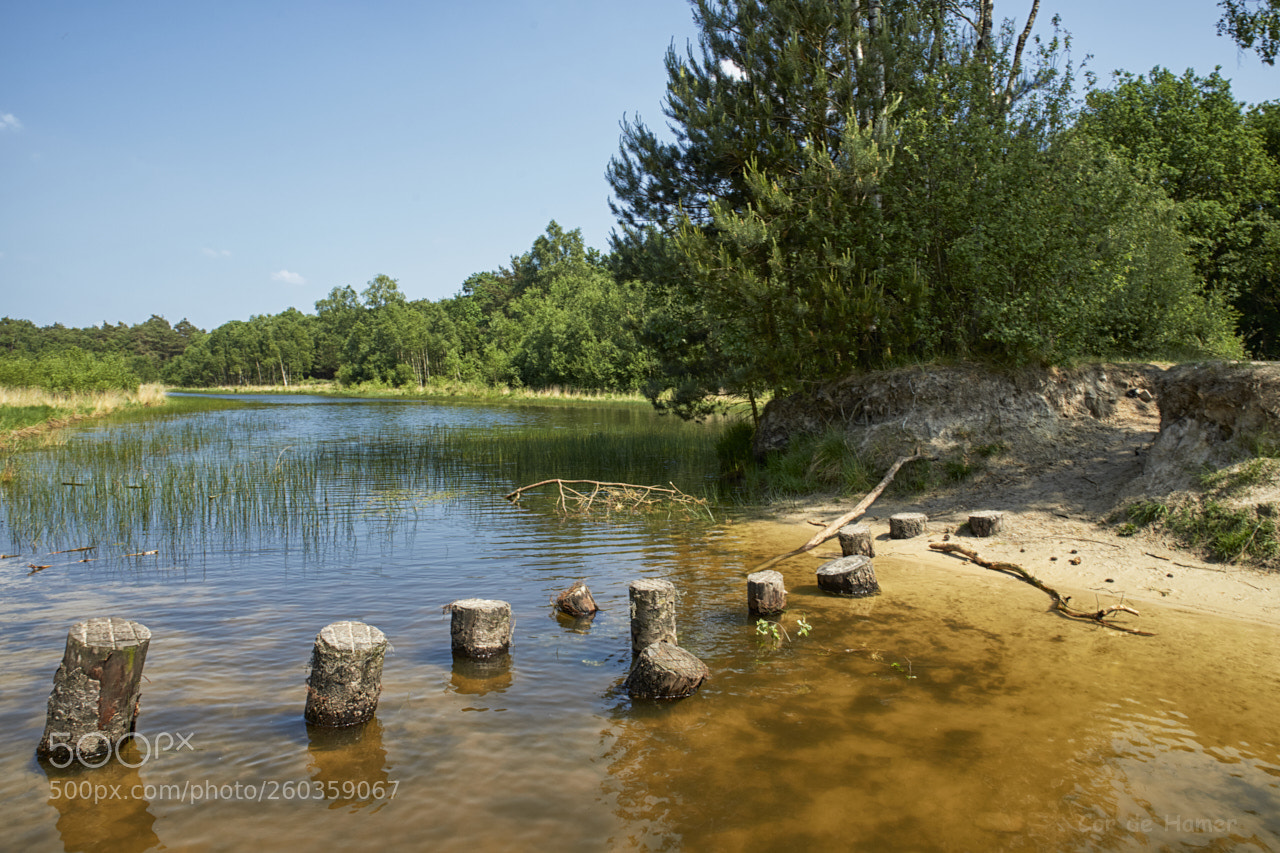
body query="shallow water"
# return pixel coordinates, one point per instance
(952, 712)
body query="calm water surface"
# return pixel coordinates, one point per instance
(950, 713)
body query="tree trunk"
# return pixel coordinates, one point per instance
(987, 523)
(346, 674)
(854, 577)
(96, 691)
(653, 613)
(766, 593)
(907, 525)
(856, 540)
(480, 628)
(665, 671)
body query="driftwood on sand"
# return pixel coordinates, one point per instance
(1060, 602)
(834, 527)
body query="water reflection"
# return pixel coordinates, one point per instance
(349, 765)
(102, 810)
(480, 677)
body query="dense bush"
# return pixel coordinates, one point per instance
(68, 371)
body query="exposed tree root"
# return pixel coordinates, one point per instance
(612, 497)
(834, 527)
(1060, 602)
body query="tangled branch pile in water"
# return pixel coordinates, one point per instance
(607, 498)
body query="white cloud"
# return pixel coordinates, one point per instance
(8, 121)
(216, 253)
(288, 277)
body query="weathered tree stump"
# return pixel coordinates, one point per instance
(851, 576)
(986, 523)
(346, 674)
(576, 601)
(653, 613)
(907, 525)
(856, 540)
(480, 627)
(96, 691)
(766, 593)
(665, 671)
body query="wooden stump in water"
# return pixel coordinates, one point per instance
(480, 627)
(855, 539)
(96, 691)
(907, 525)
(576, 601)
(986, 523)
(766, 593)
(852, 576)
(665, 671)
(346, 674)
(653, 613)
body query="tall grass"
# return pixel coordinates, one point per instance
(25, 412)
(211, 478)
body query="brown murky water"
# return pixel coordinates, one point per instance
(950, 713)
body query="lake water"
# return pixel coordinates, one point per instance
(950, 713)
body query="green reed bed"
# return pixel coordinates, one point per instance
(186, 483)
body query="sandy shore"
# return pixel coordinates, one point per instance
(1057, 498)
(1076, 556)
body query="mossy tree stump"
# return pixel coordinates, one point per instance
(907, 525)
(480, 627)
(665, 671)
(346, 674)
(856, 540)
(96, 691)
(854, 577)
(986, 523)
(653, 613)
(766, 593)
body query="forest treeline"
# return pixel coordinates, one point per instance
(842, 186)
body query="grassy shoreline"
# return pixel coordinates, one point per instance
(26, 412)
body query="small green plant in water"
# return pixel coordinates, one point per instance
(905, 671)
(767, 628)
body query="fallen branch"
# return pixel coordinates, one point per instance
(612, 496)
(1060, 602)
(832, 528)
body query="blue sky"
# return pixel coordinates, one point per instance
(212, 161)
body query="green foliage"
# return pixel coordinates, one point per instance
(145, 348)
(1253, 25)
(1245, 475)
(854, 185)
(776, 632)
(1219, 167)
(1144, 513)
(1226, 533)
(68, 371)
